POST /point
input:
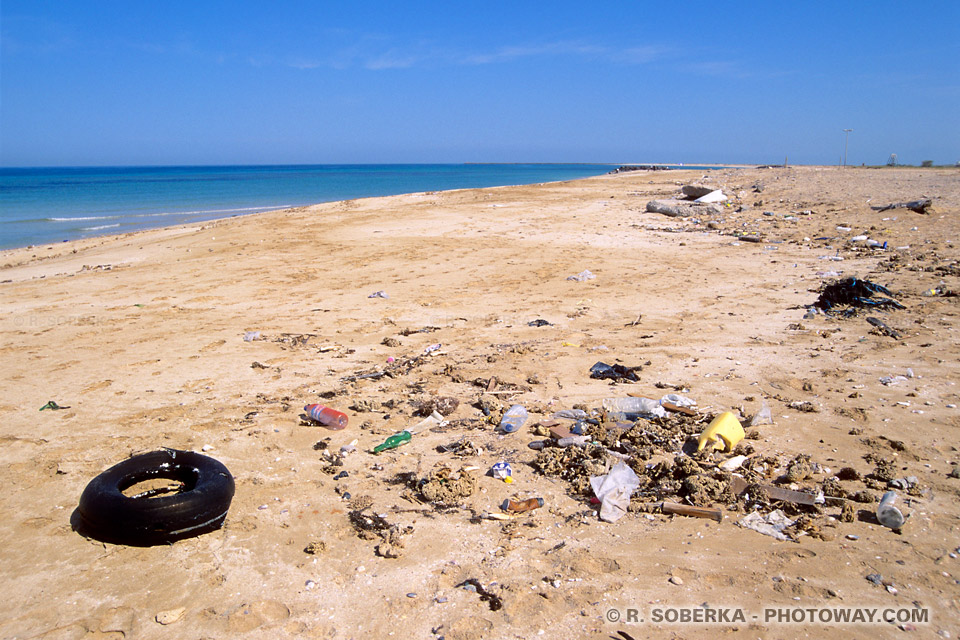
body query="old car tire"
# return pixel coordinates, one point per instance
(201, 505)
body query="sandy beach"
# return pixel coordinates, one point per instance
(141, 338)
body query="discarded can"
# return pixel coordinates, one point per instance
(330, 418)
(888, 515)
(518, 506)
(503, 471)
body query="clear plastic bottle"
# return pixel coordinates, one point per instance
(330, 418)
(632, 408)
(513, 419)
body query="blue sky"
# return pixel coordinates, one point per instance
(251, 82)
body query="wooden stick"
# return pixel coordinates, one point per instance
(694, 512)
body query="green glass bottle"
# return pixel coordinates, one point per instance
(393, 441)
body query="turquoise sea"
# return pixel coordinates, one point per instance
(45, 205)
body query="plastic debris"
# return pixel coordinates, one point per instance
(723, 432)
(614, 490)
(250, 336)
(583, 276)
(513, 419)
(52, 406)
(854, 292)
(764, 416)
(888, 515)
(713, 196)
(618, 372)
(379, 294)
(519, 506)
(539, 322)
(771, 524)
(631, 409)
(502, 471)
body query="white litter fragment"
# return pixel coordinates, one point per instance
(771, 525)
(614, 491)
(583, 276)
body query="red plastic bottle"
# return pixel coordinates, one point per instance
(330, 418)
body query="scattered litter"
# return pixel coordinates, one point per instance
(432, 348)
(764, 416)
(631, 409)
(519, 506)
(52, 406)
(539, 322)
(250, 336)
(474, 585)
(738, 486)
(854, 292)
(733, 463)
(772, 524)
(330, 418)
(882, 327)
(671, 508)
(888, 515)
(614, 490)
(616, 372)
(920, 206)
(502, 471)
(379, 294)
(394, 441)
(713, 196)
(583, 276)
(513, 418)
(724, 433)
(890, 381)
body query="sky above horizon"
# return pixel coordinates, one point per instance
(244, 82)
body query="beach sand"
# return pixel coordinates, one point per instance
(142, 337)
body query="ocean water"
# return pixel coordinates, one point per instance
(46, 205)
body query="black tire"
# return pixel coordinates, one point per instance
(108, 515)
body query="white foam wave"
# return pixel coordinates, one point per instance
(82, 218)
(102, 226)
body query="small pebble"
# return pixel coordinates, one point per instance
(411, 595)
(310, 584)
(676, 580)
(850, 536)
(441, 600)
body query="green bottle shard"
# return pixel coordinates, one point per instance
(52, 405)
(393, 441)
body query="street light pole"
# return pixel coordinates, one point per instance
(845, 141)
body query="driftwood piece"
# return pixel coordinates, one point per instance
(681, 209)
(920, 206)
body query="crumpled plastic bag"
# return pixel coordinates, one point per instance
(583, 276)
(764, 416)
(771, 524)
(614, 490)
(680, 401)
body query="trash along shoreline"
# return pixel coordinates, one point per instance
(492, 413)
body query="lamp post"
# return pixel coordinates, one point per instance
(846, 139)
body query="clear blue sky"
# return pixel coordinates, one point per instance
(248, 82)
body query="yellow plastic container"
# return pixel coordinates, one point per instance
(724, 432)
